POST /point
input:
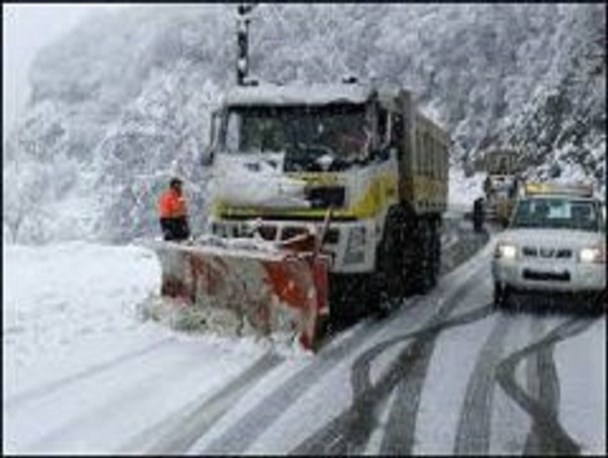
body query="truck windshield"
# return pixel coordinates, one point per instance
(311, 132)
(556, 213)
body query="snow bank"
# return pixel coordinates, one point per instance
(57, 294)
(62, 299)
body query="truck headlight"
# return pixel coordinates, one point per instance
(591, 254)
(356, 239)
(506, 251)
(217, 229)
(355, 246)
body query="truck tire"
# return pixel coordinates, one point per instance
(422, 267)
(389, 279)
(350, 296)
(435, 252)
(438, 249)
(390, 264)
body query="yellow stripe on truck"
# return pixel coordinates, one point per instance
(317, 179)
(379, 194)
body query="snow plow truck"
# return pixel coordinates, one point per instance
(326, 204)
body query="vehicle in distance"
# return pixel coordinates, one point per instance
(555, 243)
(501, 184)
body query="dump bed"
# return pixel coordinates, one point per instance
(424, 161)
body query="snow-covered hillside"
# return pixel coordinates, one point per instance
(123, 101)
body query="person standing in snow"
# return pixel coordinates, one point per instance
(172, 212)
(478, 215)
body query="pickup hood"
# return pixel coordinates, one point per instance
(558, 238)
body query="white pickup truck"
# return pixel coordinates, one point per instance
(555, 243)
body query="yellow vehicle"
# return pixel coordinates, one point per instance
(284, 155)
(501, 184)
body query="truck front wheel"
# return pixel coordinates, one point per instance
(389, 278)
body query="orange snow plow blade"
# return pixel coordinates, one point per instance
(281, 290)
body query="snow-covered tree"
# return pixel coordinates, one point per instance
(123, 102)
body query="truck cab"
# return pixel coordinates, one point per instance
(297, 151)
(283, 156)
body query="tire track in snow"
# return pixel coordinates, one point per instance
(177, 433)
(545, 422)
(466, 245)
(473, 431)
(86, 424)
(349, 432)
(399, 434)
(49, 388)
(449, 239)
(401, 425)
(248, 428)
(543, 385)
(353, 427)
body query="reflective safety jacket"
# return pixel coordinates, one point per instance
(171, 205)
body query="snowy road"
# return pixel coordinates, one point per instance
(444, 374)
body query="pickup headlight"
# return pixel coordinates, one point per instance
(592, 254)
(505, 250)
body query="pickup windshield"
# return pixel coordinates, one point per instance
(556, 213)
(300, 132)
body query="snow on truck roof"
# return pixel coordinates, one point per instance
(298, 94)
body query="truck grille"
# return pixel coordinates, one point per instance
(546, 252)
(326, 196)
(268, 232)
(290, 232)
(332, 236)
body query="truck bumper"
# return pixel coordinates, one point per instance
(351, 245)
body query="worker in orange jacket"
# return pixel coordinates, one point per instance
(172, 212)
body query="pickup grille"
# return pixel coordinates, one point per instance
(546, 252)
(551, 276)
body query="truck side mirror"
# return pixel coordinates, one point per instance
(209, 152)
(207, 156)
(381, 154)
